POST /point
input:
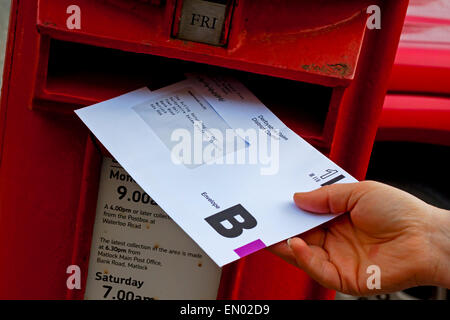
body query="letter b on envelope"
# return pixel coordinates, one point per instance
(230, 214)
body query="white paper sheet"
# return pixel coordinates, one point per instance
(231, 194)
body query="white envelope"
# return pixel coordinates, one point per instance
(231, 190)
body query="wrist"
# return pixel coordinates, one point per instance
(438, 270)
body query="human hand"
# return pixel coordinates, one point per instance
(405, 237)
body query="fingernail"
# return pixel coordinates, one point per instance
(298, 194)
(289, 242)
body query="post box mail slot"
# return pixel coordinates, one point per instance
(95, 74)
(313, 63)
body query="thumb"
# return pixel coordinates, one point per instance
(316, 263)
(336, 198)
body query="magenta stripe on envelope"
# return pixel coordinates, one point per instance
(250, 248)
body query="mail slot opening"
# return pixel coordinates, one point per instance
(92, 74)
(303, 107)
(82, 74)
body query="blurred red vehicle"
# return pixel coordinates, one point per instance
(417, 106)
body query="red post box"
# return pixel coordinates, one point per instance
(329, 70)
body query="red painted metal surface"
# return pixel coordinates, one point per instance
(41, 161)
(363, 101)
(49, 166)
